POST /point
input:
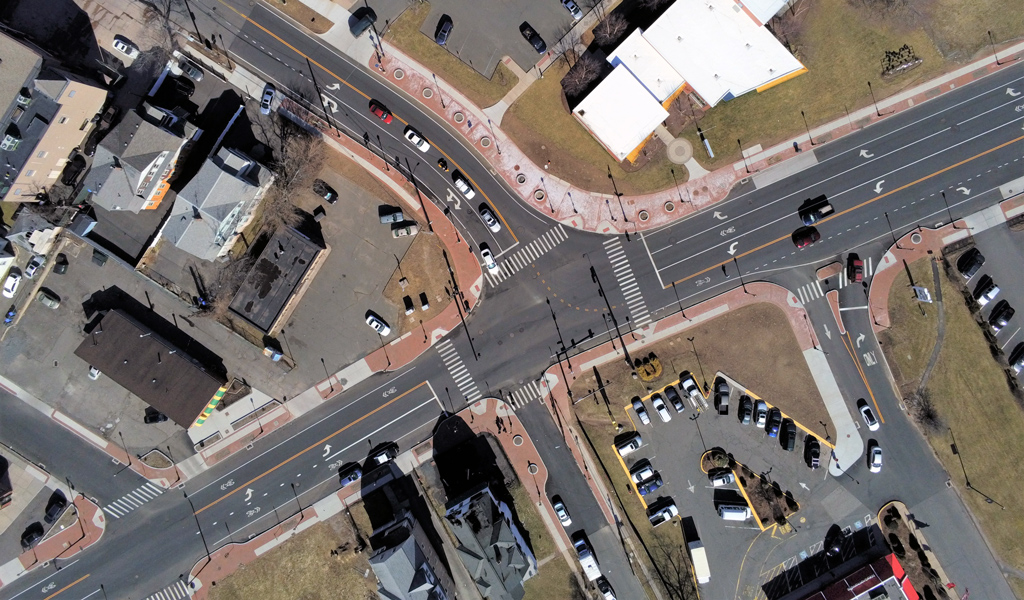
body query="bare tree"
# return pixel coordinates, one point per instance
(608, 31)
(651, 4)
(581, 75)
(161, 18)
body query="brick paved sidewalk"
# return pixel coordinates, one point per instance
(83, 532)
(603, 213)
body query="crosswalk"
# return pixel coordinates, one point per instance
(526, 394)
(627, 283)
(526, 255)
(175, 591)
(810, 292)
(132, 500)
(459, 372)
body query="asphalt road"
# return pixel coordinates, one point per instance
(970, 134)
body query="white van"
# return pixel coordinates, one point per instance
(734, 512)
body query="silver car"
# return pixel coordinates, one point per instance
(489, 220)
(190, 70)
(761, 414)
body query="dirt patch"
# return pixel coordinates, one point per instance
(770, 364)
(554, 579)
(303, 15)
(909, 550)
(303, 567)
(424, 271)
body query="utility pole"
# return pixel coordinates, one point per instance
(615, 323)
(320, 95)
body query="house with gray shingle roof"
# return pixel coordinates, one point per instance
(216, 204)
(406, 566)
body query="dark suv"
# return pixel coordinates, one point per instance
(533, 37)
(774, 422)
(815, 209)
(1000, 316)
(970, 263)
(788, 435)
(444, 29)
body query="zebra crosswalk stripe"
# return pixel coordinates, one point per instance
(528, 254)
(458, 370)
(627, 283)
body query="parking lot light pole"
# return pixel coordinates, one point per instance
(967, 481)
(703, 378)
(328, 373)
(694, 418)
(952, 221)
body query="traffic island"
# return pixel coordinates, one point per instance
(768, 503)
(908, 543)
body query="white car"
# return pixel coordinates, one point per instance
(489, 220)
(874, 457)
(573, 9)
(94, 373)
(641, 411)
(33, 266)
(986, 291)
(11, 285)
(721, 479)
(463, 185)
(690, 387)
(417, 140)
(642, 474)
(125, 47)
(561, 512)
(663, 515)
(869, 416)
(378, 324)
(492, 267)
(268, 98)
(660, 408)
(761, 414)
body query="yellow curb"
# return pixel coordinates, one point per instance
(625, 470)
(757, 518)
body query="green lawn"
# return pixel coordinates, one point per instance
(553, 581)
(970, 392)
(910, 344)
(405, 34)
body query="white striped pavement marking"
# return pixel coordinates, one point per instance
(627, 283)
(528, 255)
(458, 371)
(133, 500)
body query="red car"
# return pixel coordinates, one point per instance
(854, 268)
(381, 111)
(805, 236)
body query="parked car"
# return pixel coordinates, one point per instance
(854, 268)
(1016, 359)
(607, 593)
(1001, 315)
(788, 435)
(833, 544)
(659, 407)
(641, 471)
(970, 263)
(153, 417)
(650, 486)
(690, 387)
(55, 508)
(573, 9)
(641, 411)
(122, 45)
(34, 264)
(814, 210)
(60, 265)
(722, 396)
(746, 410)
(986, 291)
(268, 98)
(377, 324)
(32, 535)
(630, 444)
(533, 37)
(874, 457)
(404, 228)
(805, 236)
(94, 373)
(48, 299)
(74, 168)
(326, 192)
(190, 70)
(674, 399)
(364, 22)
(416, 139)
(390, 214)
(718, 479)
(488, 218)
(185, 86)
(383, 457)
(444, 30)
(462, 184)
(380, 111)
(774, 422)
(812, 452)
(869, 416)
(350, 474)
(488, 258)
(662, 515)
(761, 413)
(11, 285)
(561, 512)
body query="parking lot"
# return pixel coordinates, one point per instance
(484, 32)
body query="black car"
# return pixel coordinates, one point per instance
(788, 435)
(833, 541)
(746, 410)
(673, 397)
(56, 507)
(72, 170)
(533, 37)
(325, 191)
(774, 422)
(154, 416)
(444, 29)
(33, 533)
(815, 209)
(60, 266)
(1017, 358)
(1000, 316)
(812, 452)
(184, 86)
(970, 263)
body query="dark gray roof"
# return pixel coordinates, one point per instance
(150, 367)
(207, 211)
(403, 573)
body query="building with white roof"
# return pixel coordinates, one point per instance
(648, 66)
(764, 10)
(621, 113)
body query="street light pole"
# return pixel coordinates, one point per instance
(192, 16)
(206, 547)
(891, 232)
(873, 101)
(615, 323)
(702, 376)
(967, 481)
(328, 373)
(255, 412)
(807, 128)
(949, 212)
(742, 283)
(744, 156)
(439, 96)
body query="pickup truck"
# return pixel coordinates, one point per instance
(587, 559)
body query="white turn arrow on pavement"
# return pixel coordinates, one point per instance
(720, 216)
(878, 186)
(248, 494)
(804, 485)
(866, 154)
(828, 333)
(334, 86)
(330, 103)
(1012, 92)
(453, 197)
(327, 450)
(689, 486)
(732, 248)
(964, 191)
(860, 338)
